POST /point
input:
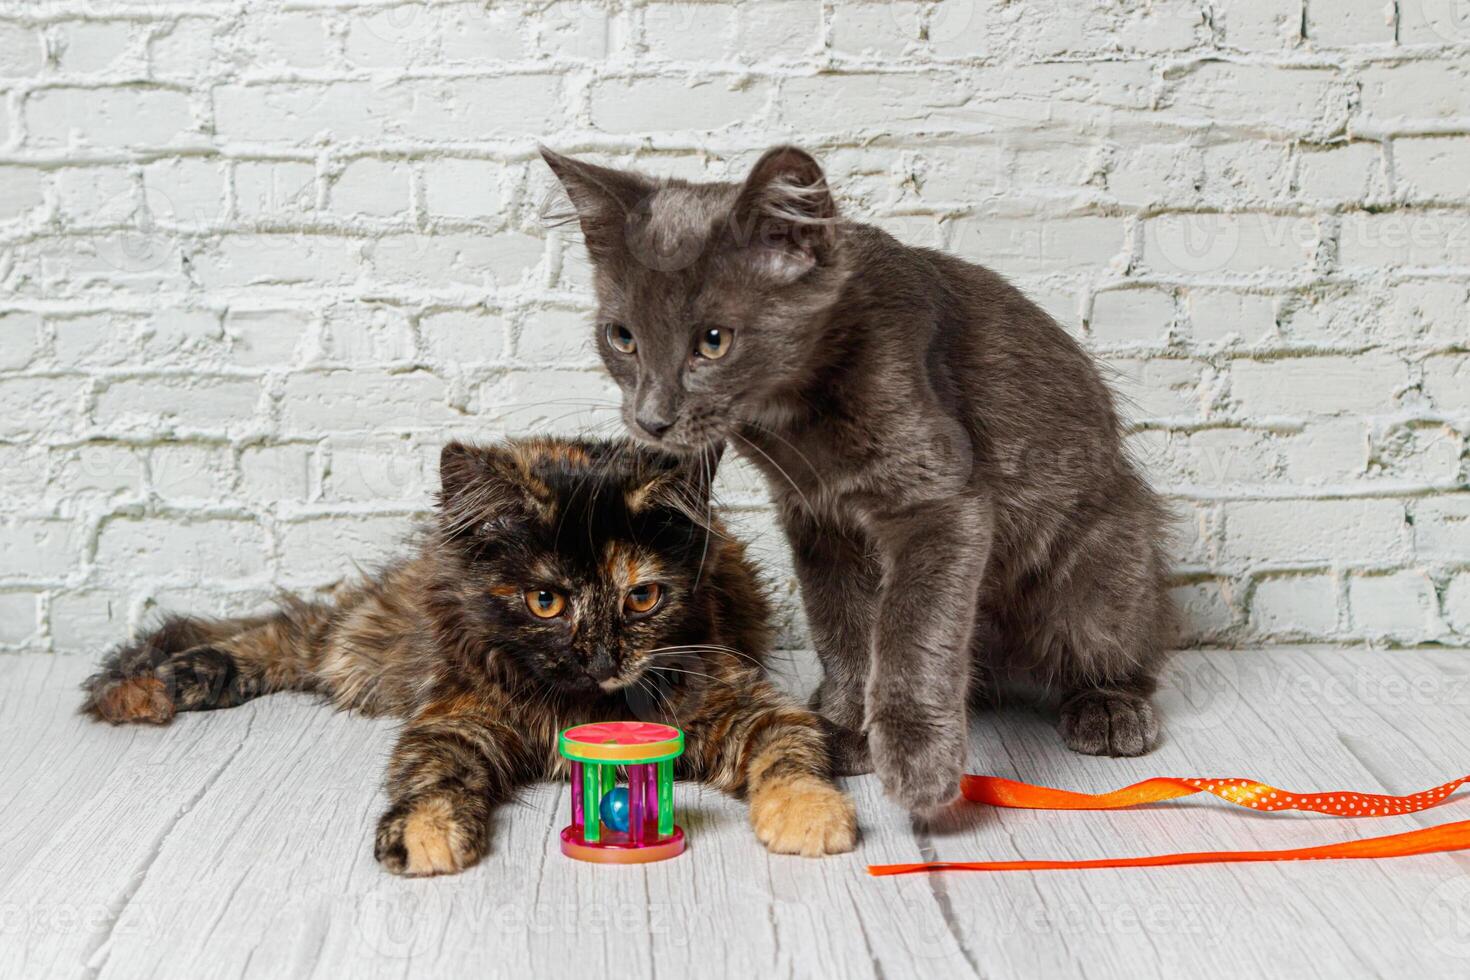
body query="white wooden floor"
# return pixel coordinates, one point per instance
(236, 843)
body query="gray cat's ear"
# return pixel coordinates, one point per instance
(601, 198)
(785, 217)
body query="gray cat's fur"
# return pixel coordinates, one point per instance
(946, 461)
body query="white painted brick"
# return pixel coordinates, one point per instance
(275, 189)
(186, 48)
(279, 259)
(394, 35)
(276, 474)
(96, 195)
(1215, 243)
(459, 337)
(465, 189)
(1206, 611)
(1442, 528)
(296, 38)
(565, 402)
(89, 622)
(477, 260)
(672, 104)
(1159, 388)
(333, 549)
(369, 468)
(1447, 382)
(40, 406)
(1434, 312)
(182, 551)
(22, 190)
(1404, 238)
(1433, 22)
(37, 549)
(1132, 316)
(1457, 603)
(573, 30)
(1217, 316)
(20, 51)
(1345, 173)
(1260, 24)
(1017, 246)
(822, 102)
(1317, 385)
(1425, 453)
(22, 476)
(781, 29)
(1295, 606)
(475, 33)
(162, 405)
(692, 31)
(558, 337)
(876, 29)
(1348, 22)
(351, 401)
(1315, 531)
(1401, 606)
(79, 477)
(20, 339)
(88, 47)
(447, 109)
(378, 188)
(1432, 169)
(266, 338)
(354, 334)
(191, 473)
(1289, 100)
(1412, 93)
(117, 117)
(188, 191)
(19, 616)
(1325, 451)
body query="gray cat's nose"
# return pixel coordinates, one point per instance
(654, 425)
(602, 666)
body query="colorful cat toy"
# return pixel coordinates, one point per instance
(613, 824)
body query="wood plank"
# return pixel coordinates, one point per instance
(238, 844)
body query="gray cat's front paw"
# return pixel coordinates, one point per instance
(919, 762)
(1109, 723)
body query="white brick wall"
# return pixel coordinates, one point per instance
(258, 260)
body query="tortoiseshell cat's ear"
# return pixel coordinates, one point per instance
(602, 198)
(785, 218)
(681, 483)
(483, 483)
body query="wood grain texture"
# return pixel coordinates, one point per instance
(236, 844)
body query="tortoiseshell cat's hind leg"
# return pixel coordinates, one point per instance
(196, 664)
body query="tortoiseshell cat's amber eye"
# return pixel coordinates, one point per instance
(643, 599)
(544, 603)
(715, 342)
(621, 338)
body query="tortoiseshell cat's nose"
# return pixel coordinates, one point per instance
(601, 665)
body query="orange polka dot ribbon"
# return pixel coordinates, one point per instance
(1242, 792)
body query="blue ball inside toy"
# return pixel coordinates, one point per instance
(615, 809)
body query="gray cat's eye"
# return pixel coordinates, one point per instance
(620, 338)
(714, 343)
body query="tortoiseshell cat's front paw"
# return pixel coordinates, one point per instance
(1109, 723)
(432, 835)
(803, 815)
(129, 700)
(918, 762)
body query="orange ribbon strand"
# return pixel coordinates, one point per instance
(1242, 792)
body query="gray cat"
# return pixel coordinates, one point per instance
(946, 461)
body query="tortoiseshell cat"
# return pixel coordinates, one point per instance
(559, 582)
